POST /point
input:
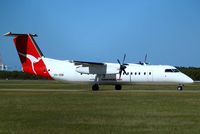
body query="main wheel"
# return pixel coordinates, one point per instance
(118, 87)
(180, 88)
(95, 87)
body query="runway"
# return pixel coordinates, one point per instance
(100, 91)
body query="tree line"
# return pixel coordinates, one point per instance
(192, 72)
(17, 75)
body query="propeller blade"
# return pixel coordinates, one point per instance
(145, 59)
(124, 71)
(118, 61)
(120, 73)
(124, 58)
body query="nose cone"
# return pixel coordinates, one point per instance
(187, 80)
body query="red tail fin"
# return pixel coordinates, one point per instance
(30, 54)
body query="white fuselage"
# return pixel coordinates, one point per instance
(135, 73)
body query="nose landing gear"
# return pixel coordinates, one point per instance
(180, 87)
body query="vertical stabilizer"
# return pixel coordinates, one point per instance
(30, 55)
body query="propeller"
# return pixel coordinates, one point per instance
(145, 61)
(122, 66)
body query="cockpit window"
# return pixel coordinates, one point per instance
(175, 70)
(171, 70)
(168, 70)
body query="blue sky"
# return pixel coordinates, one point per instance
(90, 30)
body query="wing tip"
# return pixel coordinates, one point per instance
(7, 34)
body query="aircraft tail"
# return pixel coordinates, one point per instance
(30, 54)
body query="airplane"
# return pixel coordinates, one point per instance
(34, 62)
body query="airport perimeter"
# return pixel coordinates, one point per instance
(38, 107)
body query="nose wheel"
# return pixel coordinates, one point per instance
(180, 87)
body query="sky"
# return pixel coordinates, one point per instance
(104, 30)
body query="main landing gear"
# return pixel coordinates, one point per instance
(95, 87)
(118, 87)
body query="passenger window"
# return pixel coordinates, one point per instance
(144, 73)
(131, 73)
(139, 73)
(135, 73)
(149, 73)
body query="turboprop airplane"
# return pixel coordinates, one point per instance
(34, 62)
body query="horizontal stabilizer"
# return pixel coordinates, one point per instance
(16, 34)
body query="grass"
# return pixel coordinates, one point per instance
(88, 112)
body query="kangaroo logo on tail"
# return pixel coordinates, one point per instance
(32, 59)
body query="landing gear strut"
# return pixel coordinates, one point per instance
(118, 87)
(180, 87)
(95, 87)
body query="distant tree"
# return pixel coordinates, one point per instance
(17, 75)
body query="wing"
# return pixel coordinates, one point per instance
(85, 67)
(85, 63)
